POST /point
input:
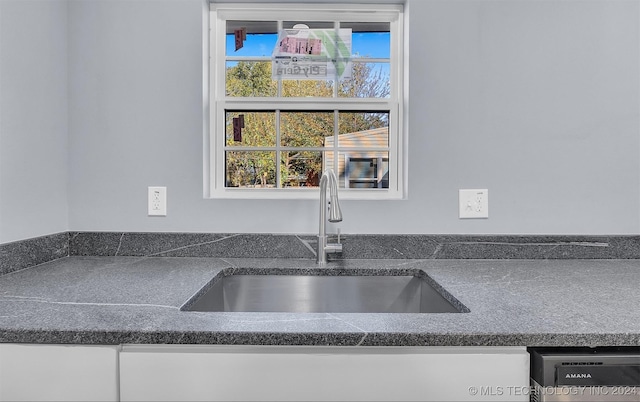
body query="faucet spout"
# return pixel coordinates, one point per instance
(335, 215)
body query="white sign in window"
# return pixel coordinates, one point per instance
(312, 54)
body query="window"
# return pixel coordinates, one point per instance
(297, 89)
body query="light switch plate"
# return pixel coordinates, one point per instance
(157, 201)
(473, 204)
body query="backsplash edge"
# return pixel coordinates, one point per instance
(356, 246)
(22, 254)
(26, 253)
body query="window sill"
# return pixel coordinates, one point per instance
(302, 194)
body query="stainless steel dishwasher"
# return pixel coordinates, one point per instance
(585, 374)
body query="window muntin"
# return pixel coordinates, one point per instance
(370, 55)
(304, 124)
(307, 145)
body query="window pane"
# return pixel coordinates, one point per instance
(259, 129)
(363, 129)
(369, 39)
(249, 78)
(301, 168)
(306, 129)
(368, 80)
(364, 170)
(261, 38)
(250, 169)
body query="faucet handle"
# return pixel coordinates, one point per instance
(333, 248)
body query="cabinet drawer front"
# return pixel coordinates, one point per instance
(228, 373)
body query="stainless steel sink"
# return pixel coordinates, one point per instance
(324, 294)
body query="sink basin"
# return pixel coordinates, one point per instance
(324, 294)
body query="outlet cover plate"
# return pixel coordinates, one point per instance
(157, 201)
(473, 204)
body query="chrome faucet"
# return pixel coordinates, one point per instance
(335, 215)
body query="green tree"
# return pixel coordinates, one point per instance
(250, 79)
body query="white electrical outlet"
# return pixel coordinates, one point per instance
(157, 201)
(473, 204)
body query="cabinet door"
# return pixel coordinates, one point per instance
(261, 373)
(58, 373)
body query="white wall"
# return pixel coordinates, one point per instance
(136, 113)
(33, 118)
(536, 100)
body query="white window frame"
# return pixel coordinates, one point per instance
(216, 101)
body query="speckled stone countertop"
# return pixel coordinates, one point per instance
(119, 300)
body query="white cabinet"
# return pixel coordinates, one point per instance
(290, 373)
(58, 373)
(261, 373)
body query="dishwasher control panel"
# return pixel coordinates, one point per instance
(585, 374)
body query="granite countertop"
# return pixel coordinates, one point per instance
(118, 300)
